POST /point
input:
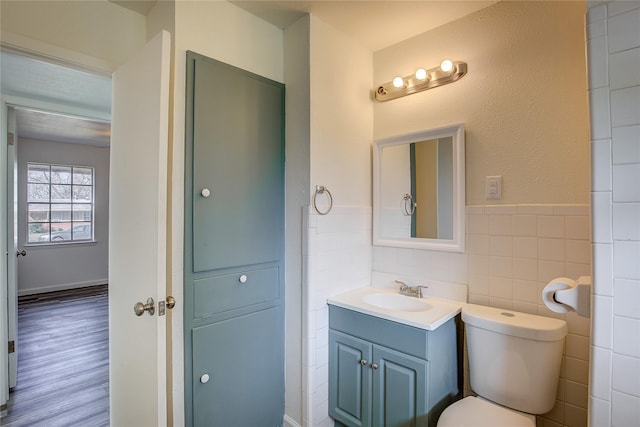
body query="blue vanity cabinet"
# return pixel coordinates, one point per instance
(383, 373)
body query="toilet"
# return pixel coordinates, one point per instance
(514, 367)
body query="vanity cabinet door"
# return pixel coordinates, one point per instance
(400, 396)
(349, 379)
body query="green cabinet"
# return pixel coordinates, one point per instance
(234, 247)
(383, 373)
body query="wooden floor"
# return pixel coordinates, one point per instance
(63, 360)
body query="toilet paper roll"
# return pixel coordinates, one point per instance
(548, 294)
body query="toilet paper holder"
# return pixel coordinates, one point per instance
(562, 295)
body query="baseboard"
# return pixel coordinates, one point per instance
(62, 287)
(289, 422)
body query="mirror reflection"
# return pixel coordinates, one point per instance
(419, 190)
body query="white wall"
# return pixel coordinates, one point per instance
(50, 267)
(337, 246)
(613, 42)
(296, 76)
(104, 33)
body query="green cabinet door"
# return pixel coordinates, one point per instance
(237, 372)
(349, 379)
(238, 166)
(399, 389)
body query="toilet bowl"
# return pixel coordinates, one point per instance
(478, 412)
(514, 367)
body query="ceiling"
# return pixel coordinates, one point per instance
(373, 24)
(25, 79)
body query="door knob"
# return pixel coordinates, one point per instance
(139, 308)
(168, 304)
(21, 253)
(171, 302)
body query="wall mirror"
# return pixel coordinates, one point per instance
(418, 190)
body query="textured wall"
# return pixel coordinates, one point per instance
(523, 101)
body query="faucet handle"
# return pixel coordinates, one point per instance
(420, 288)
(403, 285)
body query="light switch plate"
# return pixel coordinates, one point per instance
(493, 187)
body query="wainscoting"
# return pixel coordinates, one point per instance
(63, 360)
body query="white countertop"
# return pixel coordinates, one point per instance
(436, 313)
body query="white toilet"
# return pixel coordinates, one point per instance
(514, 366)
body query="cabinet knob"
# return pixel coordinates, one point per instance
(205, 192)
(204, 378)
(374, 366)
(363, 362)
(243, 278)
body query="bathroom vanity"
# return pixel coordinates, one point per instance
(392, 361)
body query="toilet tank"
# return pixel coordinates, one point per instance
(514, 358)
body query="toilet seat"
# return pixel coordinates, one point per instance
(477, 412)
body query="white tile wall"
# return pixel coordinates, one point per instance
(337, 259)
(614, 92)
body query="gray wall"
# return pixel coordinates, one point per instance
(49, 268)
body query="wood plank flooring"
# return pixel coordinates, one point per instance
(63, 360)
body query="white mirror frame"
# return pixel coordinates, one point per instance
(457, 244)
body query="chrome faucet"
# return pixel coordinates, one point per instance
(411, 291)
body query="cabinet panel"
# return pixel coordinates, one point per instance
(238, 156)
(349, 379)
(399, 389)
(243, 360)
(213, 295)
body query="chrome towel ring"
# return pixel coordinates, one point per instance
(408, 206)
(321, 189)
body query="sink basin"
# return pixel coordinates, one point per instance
(395, 302)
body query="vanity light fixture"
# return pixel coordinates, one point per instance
(448, 72)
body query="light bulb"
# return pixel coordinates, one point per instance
(398, 81)
(421, 74)
(446, 65)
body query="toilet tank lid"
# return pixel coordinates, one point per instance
(509, 322)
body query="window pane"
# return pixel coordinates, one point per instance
(60, 193)
(59, 203)
(60, 174)
(83, 176)
(38, 212)
(60, 213)
(37, 173)
(82, 231)
(60, 231)
(82, 193)
(38, 193)
(82, 213)
(38, 232)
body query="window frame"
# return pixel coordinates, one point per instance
(49, 211)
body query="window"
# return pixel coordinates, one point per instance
(59, 203)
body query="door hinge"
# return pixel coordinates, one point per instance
(12, 347)
(10, 138)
